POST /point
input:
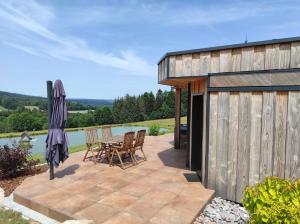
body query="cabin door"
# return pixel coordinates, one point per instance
(196, 132)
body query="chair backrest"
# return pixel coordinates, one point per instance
(106, 133)
(128, 141)
(140, 137)
(91, 136)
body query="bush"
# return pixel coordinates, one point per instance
(154, 129)
(273, 201)
(15, 160)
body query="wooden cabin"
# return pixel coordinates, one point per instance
(244, 111)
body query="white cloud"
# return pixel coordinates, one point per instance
(32, 19)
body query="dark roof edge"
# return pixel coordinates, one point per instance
(224, 47)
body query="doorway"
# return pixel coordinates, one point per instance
(197, 132)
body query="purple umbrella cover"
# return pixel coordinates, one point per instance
(57, 140)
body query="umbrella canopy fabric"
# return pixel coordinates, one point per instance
(57, 140)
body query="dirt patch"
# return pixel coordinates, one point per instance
(10, 184)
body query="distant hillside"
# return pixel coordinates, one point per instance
(93, 102)
(13, 100)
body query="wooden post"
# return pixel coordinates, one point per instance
(177, 118)
(50, 106)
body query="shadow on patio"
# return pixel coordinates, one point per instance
(155, 191)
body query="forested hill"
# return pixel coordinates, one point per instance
(93, 102)
(14, 100)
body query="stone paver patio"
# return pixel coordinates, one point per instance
(156, 191)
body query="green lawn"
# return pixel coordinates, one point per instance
(164, 123)
(11, 217)
(2, 109)
(72, 149)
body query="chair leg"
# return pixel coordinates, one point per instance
(145, 158)
(112, 156)
(133, 158)
(122, 165)
(87, 151)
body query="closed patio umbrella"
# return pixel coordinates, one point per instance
(57, 140)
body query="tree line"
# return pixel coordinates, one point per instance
(125, 109)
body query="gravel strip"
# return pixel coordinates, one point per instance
(222, 211)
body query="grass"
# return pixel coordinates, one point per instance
(2, 109)
(168, 123)
(31, 108)
(72, 149)
(11, 217)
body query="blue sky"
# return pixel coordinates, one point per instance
(105, 49)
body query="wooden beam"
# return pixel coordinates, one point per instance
(177, 118)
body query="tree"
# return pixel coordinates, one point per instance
(159, 100)
(103, 116)
(149, 102)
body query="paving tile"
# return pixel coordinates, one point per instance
(96, 193)
(118, 200)
(97, 212)
(154, 191)
(73, 204)
(148, 205)
(125, 218)
(137, 190)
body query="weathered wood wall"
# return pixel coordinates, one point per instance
(272, 56)
(252, 135)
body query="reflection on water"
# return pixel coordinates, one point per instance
(75, 138)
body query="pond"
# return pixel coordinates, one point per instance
(75, 137)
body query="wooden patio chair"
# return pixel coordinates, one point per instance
(93, 144)
(125, 148)
(138, 144)
(106, 133)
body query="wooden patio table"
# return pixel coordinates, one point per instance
(115, 140)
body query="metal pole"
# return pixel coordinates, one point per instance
(50, 106)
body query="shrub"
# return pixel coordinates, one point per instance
(273, 201)
(15, 160)
(154, 129)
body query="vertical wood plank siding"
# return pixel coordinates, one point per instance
(252, 135)
(272, 56)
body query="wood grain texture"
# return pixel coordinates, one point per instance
(177, 118)
(243, 143)
(196, 64)
(267, 134)
(236, 59)
(247, 59)
(172, 65)
(257, 79)
(187, 64)
(280, 134)
(272, 56)
(213, 121)
(179, 66)
(215, 62)
(295, 55)
(292, 164)
(165, 69)
(232, 145)
(222, 143)
(259, 58)
(255, 138)
(225, 61)
(284, 56)
(204, 63)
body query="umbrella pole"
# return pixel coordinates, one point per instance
(50, 106)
